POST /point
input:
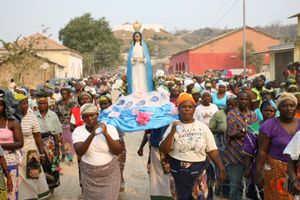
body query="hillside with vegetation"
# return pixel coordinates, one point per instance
(163, 43)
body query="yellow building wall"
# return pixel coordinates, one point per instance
(32, 76)
(72, 62)
(297, 52)
(75, 66)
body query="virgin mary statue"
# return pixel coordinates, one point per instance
(139, 69)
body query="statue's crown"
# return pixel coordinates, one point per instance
(137, 26)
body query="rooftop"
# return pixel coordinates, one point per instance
(222, 36)
(42, 42)
(295, 15)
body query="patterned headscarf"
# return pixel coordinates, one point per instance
(88, 108)
(205, 92)
(285, 96)
(85, 93)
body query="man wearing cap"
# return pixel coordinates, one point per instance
(196, 96)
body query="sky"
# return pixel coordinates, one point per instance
(25, 17)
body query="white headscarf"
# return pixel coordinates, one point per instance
(88, 108)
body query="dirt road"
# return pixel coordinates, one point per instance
(136, 177)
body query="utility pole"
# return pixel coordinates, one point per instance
(244, 37)
(94, 51)
(93, 62)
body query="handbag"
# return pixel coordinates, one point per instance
(288, 184)
(2, 181)
(164, 161)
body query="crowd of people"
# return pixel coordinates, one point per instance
(233, 137)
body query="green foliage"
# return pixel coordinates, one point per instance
(88, 61)
(94, 39)
(252, 58)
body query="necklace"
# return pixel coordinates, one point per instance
(185, 130)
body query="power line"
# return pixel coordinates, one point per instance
(227, 11)
(291, 2)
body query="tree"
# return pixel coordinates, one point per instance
(252, 58)
(94, 39)
(18, 52)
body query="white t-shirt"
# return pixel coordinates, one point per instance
(204, 113)
(192, 142)
(73, 120)
(98, 151)
(12, 86)
(293, 148)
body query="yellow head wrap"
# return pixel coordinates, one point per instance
(104, 98)
(185, 97)
(20, 97)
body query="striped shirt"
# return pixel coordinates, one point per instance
(30, 125)
(236, 121)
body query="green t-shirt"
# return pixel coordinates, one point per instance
(218, 121)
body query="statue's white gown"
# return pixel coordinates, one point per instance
(138, 70)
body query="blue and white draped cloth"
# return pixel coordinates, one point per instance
(140, 111)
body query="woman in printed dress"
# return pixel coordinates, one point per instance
(63, 111)
(188, 142)
(8, 187)
(274, 136)
(50, 131)
(11, 140)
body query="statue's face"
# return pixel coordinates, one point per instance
(137, 37)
